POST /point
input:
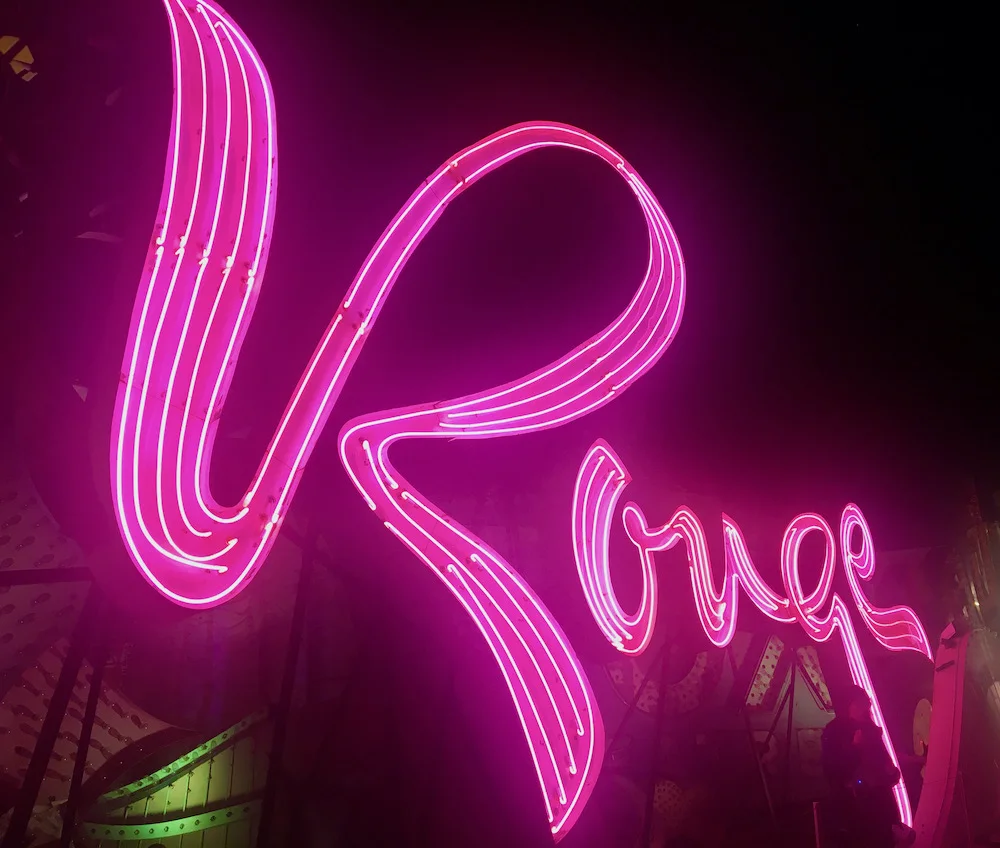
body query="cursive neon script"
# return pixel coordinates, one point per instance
(195, 300)
(602, 480)
(194, 305)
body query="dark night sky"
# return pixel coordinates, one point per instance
(824, 174)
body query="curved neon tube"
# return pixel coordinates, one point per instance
(600, 484)
(194, 305)
(897, 628)
(551, 693)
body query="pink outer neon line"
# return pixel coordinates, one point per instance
(553, 698)
(897, 628)
(194, 305)
(600, 483)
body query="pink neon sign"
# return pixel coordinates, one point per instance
(600, 483)
(194, 305)
(195, 301)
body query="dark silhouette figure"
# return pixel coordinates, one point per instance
(861, 773)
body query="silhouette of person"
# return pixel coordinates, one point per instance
(861, 776)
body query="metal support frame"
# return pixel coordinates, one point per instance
(99, 660)
(753, 748)
(80, 641)
(635, 700)
(654, 764)
(265, 832)
(790, 697)
(787, 698)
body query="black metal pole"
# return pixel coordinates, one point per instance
(753, 749)
(100, 657)
(635, 701)
(275, 764)
(788, 729)
(777, 716)
(28, 794)
(654, 765)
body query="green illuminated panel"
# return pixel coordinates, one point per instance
(125, 832)
(183, 764)
(221, 779)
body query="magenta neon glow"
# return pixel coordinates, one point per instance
(194, 305)
(600, 483)
(550, 691)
